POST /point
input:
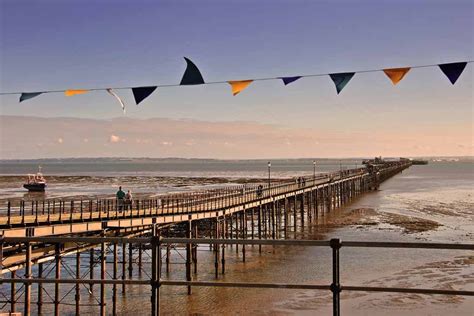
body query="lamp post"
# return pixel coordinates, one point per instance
(314, 172)
(269, 168)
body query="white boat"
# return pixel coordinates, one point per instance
(36, 182)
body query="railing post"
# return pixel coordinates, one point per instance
(82, 218)
(9, 213)
(71, 210)
(335, 244)
(22, 203)
(36, 213)
(155, 271)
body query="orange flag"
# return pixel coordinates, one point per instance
(396, 74)
(70, 93)
(238, 86)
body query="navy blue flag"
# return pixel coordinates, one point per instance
(341, 79)
(29, 95)
(453, 70)
(191, 75)
(141, 93)
(288, 80)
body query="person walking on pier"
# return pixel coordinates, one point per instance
(128, 200)
(120, 196)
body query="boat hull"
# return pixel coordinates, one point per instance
(35, 187)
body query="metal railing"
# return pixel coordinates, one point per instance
(155, 280)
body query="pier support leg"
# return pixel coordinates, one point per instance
(252, 223)
(310, 206)
(265, 221)
(243, 231)
(13, 293)
(302, 210)
(168, 254)
(115, 276)
(130, 260)
(140, 251)
(102, 277)
(40, 290)
(155, 271)
(124, 265)
(27, 307)
(260, 226)
(216, 248)
(224, 224)
(58, 276)
(273, 219)
(188, 255)
(295, 215)
(91, 269)
(195, 249)
(78, 288)
(285, 218)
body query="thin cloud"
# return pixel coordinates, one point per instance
(114, 139)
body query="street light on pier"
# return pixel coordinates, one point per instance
(314, 172)
(269, 168)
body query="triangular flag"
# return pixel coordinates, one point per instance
(112, 93)
(453, 70)
(29, 95)
(341, 79)
(396, 74)
(238, 86)
(70, 93)
(288, 80)
(141, 93)
(192, 75)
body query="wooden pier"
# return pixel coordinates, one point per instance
(39, 233)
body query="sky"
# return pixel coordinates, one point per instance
(49, 45)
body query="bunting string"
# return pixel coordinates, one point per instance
(193, 76)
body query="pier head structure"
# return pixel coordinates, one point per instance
(75, 254)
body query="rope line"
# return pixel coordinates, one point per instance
(226, 81)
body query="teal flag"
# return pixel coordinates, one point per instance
(29, 95)
(192, 75)
(341, 79)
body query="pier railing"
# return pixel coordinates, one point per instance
(48, 211)
(169, 204)
(155, 280)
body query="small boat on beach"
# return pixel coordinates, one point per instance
(36, 182)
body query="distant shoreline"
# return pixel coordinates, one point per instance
(177, 159)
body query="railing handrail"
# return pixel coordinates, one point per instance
(286, 242)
